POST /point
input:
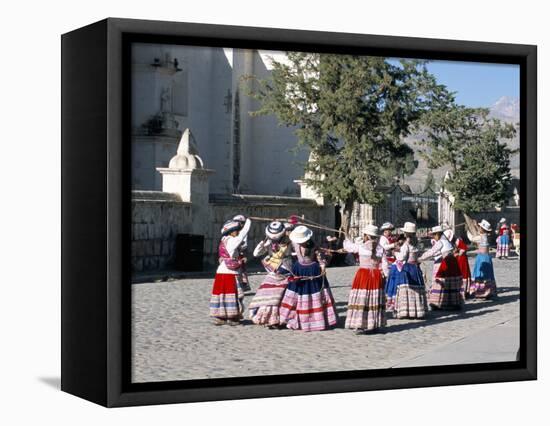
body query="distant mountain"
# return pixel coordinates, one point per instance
(506, 109)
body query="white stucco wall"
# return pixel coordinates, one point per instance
(199, 93)
(148, 154)
(272, 168)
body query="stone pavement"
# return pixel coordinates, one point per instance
(498, 343)
(173, 338)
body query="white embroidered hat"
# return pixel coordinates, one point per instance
(485, 225)
(240, 218)
(409, 228)
(275, 230)
(387, 225)
(230, 226)
(371, 230)
(436, 229)
(300, 234)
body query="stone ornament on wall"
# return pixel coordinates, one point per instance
(187, 155)
(185, 174)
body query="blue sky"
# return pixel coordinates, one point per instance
(477, 84)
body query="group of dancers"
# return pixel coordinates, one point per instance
(296, 294)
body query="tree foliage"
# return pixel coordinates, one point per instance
(471, 143)
(352, 113)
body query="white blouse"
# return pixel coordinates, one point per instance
(231, 245)
(441, 247)
(369, 256)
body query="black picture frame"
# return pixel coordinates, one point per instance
(96, 206)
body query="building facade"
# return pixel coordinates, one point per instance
(205, 89)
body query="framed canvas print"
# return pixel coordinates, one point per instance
(253, 212)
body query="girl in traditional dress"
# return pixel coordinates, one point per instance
(410, 297)
(243, 282)
(396, 276)
(227, 296)
(446, 276)
(484, 285)
(503, 243)
(500, 226)
(367, 299)
(387, 242)
(307, 304)
(264, 307)
(460, 253)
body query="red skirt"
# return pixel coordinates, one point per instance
(225, 301)
(367, 278)
(367, 301)
(445, 291)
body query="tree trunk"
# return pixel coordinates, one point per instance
(346, 211)
(471, 227)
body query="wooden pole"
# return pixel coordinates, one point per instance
(304, 222)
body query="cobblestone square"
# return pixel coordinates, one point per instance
(174, 339)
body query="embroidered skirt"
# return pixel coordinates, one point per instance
(226, 298)
(264, 307)
(484, 283)
(395, 278)
(445, 292)
(367, 301)
(410, 299)
(308, 304)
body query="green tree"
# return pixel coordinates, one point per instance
(352, 113)
(471, 143)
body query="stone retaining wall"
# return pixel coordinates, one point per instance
(157, 218)
(155, 225)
